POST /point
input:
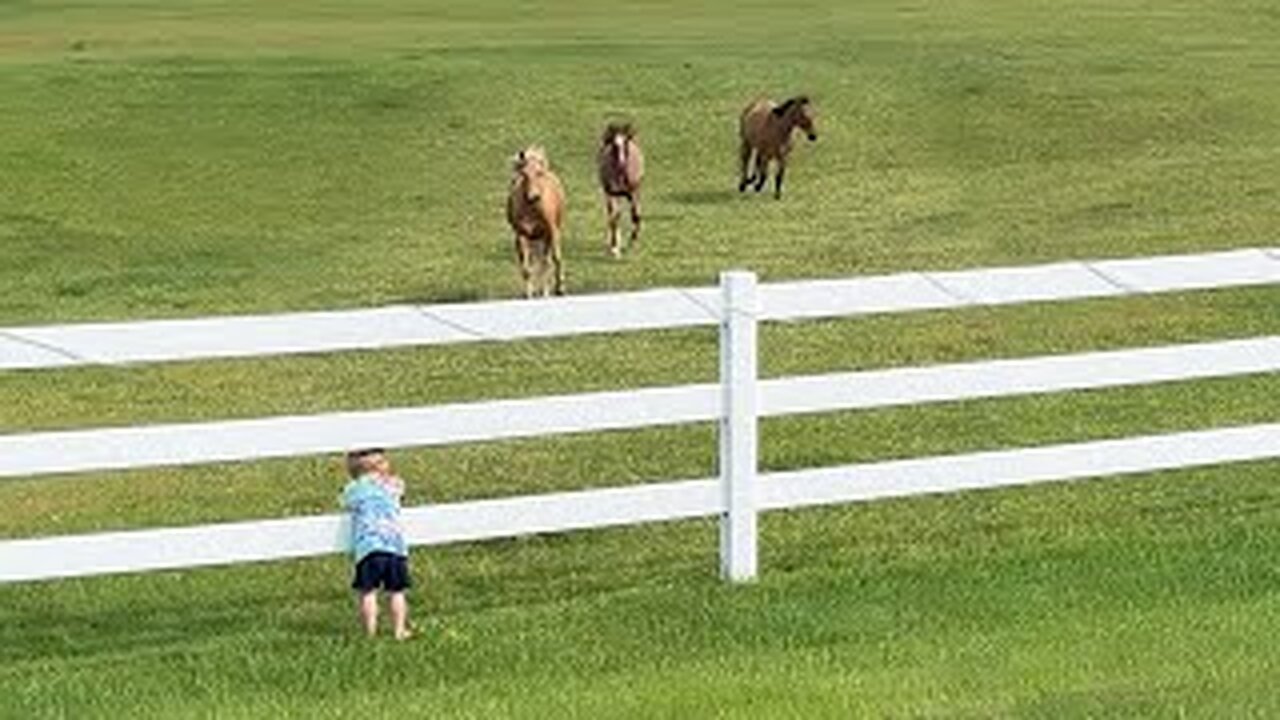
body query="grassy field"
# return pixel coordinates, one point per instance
(218, 156)
(226, 156)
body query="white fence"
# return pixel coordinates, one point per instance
(736, 402)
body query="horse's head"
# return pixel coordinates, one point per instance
(615, 139)
(798, 112)
(530, 164)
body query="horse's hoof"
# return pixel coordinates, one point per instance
(615, 251)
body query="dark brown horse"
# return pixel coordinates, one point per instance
(766, 132)
(535, 210)
(621, 165)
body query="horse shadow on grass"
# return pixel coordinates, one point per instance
(444, 296)
(702, 197)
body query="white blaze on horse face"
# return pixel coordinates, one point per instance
(619, 143)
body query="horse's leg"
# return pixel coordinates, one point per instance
(777, 177)
(635, 219)
(526, 264)
(557, 259)
(744, 154)
(762, 171)
(544, 272)
(612, 211)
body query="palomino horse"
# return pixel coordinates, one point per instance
(535, 210)
(766, 131)
(621, 166)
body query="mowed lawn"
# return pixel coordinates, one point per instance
(175, 159)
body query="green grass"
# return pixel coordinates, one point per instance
(1151, 596)
(223, 156)
(211, 156)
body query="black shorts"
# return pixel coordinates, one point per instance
(382, 570)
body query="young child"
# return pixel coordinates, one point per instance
(377, 541)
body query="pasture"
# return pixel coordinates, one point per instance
(213, 156)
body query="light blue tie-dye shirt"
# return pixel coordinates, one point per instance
(375, 518)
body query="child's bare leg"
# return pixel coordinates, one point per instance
(400, 615)
(369, 612)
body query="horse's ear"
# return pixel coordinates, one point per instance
(784, 107)
(614, 129)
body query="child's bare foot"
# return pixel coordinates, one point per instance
(409, 630)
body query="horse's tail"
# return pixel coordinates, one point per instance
(751, 123)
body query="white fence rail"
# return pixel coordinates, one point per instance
(408, 325)
(164, 548)
(189, 443)
(737, 401)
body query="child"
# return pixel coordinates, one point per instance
(380, 552)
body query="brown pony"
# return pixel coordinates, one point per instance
(535, 209)
(766, 131)
(621, 167)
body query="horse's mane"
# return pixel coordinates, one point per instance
(785, 107)
(532, 154)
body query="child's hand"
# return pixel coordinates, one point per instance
(392, 483)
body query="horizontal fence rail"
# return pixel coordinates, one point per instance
(736, 402)
(171, 548)
(189, 443)
(1020, 376)
(58, 346)
(1024, 466)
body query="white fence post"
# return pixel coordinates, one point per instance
(738, 425)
